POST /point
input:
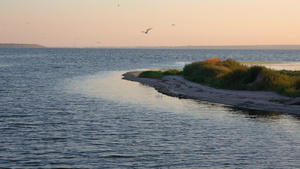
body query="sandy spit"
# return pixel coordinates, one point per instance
(177, 86)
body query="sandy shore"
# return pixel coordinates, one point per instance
(177, 86)
(276, 65)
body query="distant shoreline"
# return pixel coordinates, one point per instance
(15, 45)
(207, 47)
(232, 47)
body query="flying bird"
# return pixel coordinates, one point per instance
(146, 32)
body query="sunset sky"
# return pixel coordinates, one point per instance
(107, 23)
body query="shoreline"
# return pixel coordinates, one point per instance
(177, 86)
(295, 66)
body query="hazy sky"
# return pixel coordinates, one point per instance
(91, 23)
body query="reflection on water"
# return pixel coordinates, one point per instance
(111, 86)
(198, 134)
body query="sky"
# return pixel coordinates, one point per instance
(119, 23)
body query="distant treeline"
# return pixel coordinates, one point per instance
(13, 45)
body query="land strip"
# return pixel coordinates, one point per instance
(177, 86)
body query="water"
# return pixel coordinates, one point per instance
(69, 108)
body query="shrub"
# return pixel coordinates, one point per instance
(232, 64)
(288, 91)
(230, 74)
(159, 74)
(204, 72)
(252, 73)
(235, 79)
(172, 72)
(297, 83)
(272, 80)
(152, 74)
(290, 73)
(213, 60)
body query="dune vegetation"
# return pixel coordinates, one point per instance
(230, 74)
(159, 73)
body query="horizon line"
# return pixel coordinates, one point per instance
(271, 47)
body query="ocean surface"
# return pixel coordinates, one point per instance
(69, 108)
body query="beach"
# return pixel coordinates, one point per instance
(276, 65)
(177, 86)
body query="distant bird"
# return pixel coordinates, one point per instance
(146, 32)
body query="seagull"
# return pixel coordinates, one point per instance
(146, 32)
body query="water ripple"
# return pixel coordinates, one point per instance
(69, 108)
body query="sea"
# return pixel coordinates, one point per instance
(70, 108)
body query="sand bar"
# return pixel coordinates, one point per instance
(177, 86)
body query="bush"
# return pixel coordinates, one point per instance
(297, 83)
(159, 74)
(288, 91)
(272, 80)
(230, 74)
(235, 79)
(204, 72)
(172, 72)
(252, 73)
(214, 60)
(232, 64)
(152, 74)
(290, 73)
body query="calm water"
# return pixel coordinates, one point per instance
(69, 108)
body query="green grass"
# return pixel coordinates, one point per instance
(159, 74)
(230, 74)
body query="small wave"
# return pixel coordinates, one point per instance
(119, 156)
(5, 65)
(53, 138)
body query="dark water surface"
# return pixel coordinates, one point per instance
(69, 108)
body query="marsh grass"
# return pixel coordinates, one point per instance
(152, 74)
(230, 74)
(159, 74)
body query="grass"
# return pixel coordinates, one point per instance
(230, 74)
(159, 74)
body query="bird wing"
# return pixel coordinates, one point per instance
(146, 30)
